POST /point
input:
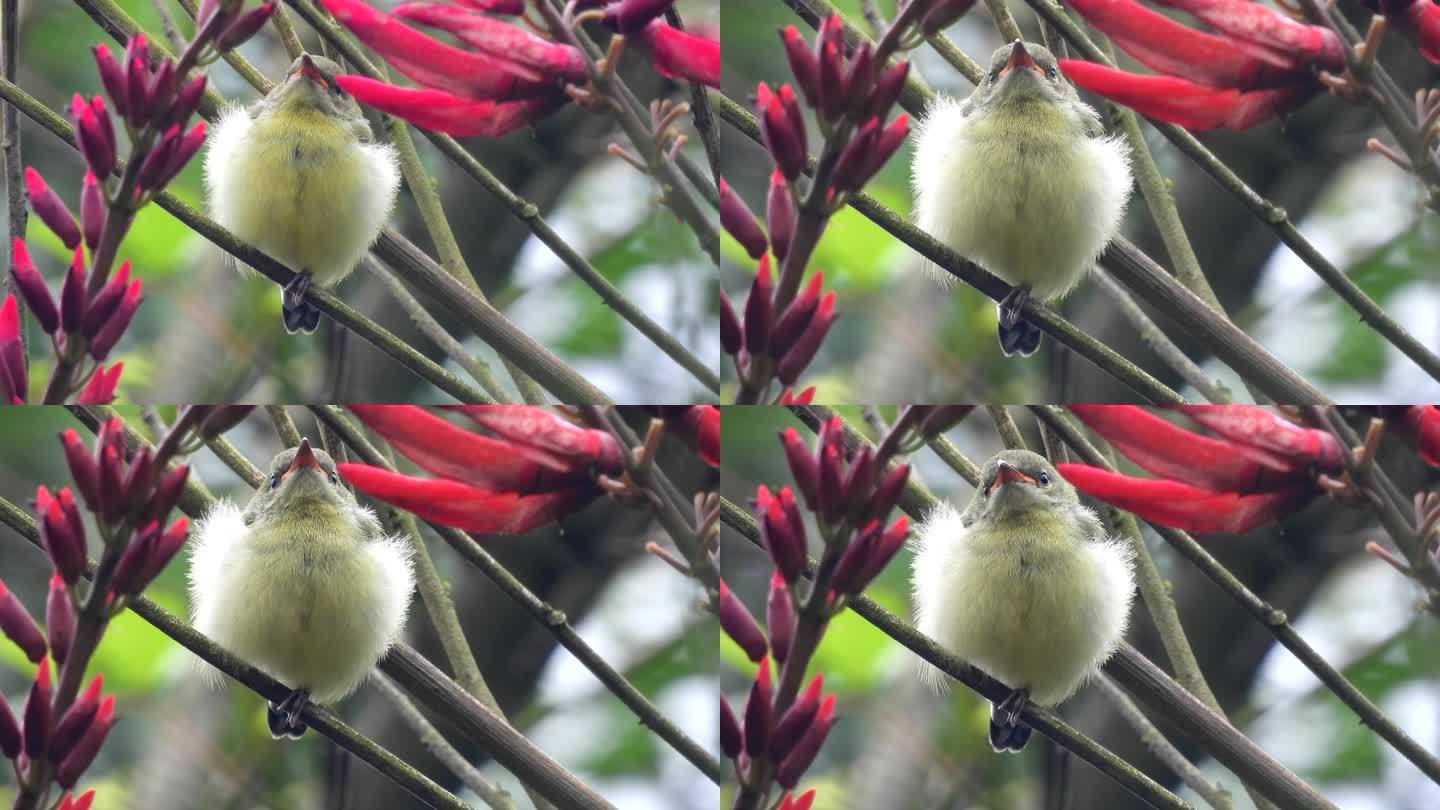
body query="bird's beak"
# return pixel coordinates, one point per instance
(1019, 57)
(1006, 473)
(312, 71)
(304, 457)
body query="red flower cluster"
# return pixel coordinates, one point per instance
(1260, 469)
(790, 338)
(506, 77)
(1258, 66)
(144, 91)
(537, 469)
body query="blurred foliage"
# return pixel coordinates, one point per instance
(893, 731)
(901, 336)
(205, 333)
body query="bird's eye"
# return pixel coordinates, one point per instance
(1050, 73)
(994, 74)
(275, 480)
(333, 479)
(1044, 479)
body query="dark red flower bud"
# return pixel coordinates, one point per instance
(72, 293)
(185, 148)
(777, 130)
(759, 308)
(36, 728)
(758, 712)
(629, 16)
(802, 465)
(731, 743)
(940, 418)
(779, 533)
(802, 62)
(846, 577)
(736, 219)
(830, 492)
(187, 100)
(779, 215)
(166, 546)
(808, 344)
(10, 735)
(887, 141)
(739, 625)
(886, 91)
(887, 492)
(138, 47)
(167, 493)
(153, 171)
(62, 536)
(886, 547)
(59, 619)
(830, 56)
(16, 624)
(779, 618)
(110, 489)
(103, 305)
(106, 128)
(137, 99)
(90, 137)
(92, 210)
(244, 27)
(859, 479)
(942, 15)
(50, 209)
(115, 326)
(160, 92)
(138, 477)
(1172, 503)
(1419, 21)
(796, 720)
(732, 336)
(803, 754)
(31, 286)
(82, 466)
(222, 418)
(129, 572)
(14, 380)
(849, 169)
(80, 757)
(76, 721)
(112, 76)
(858, 80)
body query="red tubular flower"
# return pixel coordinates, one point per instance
(80, 757)
(797, 719)
(781, 530)
(442, 111)
(546, 438)
(732, 335)
(32, 287)
(14, 382)
(1418, 20)
(802, 465)
(16, 624)
(703, 421)
(629, 16)
(1184, 103)
(779, 617)
(886, 91)
(72, 293)
(433, 63)
(243, 27)
(785, 143)
(681, 55)
(1165, 45)
(37, 713)
(61, 532)
(731, 743)
(59, 619)
(456, 504)
(798, 356)
(50, 209)
(759, 309)
(779, 215)
(499, 40)
(100, 390)
(1172, 503)
(758, 712)
(803, 754)
(11, 738)
(830, 56)
(76, 721)
(81, 464)
(93, 134)
(112, 76)
(92, 210)
(1261, 25)
(103, 305)
(802, 63)
(1257, 427)
(1423, 424)
(736, 219)
(802, 802)
(739, 625)
(116, 324)
(798, 315)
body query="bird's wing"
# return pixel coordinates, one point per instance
(213, 542)
(391, 555)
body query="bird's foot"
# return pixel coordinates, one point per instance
(284, 717)
(298, 313)
(1013, 304)
(1011, 706)
(1019, 338)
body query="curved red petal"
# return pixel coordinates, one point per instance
(459, 505)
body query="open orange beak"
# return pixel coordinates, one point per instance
(312, 71)
(1006, 474)
(304, 457)
(1019, 57)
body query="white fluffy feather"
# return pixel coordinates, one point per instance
(1035, 612)
(318, 619)
(1035, 207)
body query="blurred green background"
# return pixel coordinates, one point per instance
(207, 334)
(898, 746)
(901, 337)
(181, 746)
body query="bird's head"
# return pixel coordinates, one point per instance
(310, 85)
(301, 477)
(1021, 73)
(1019, 481)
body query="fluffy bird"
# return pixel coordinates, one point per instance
(299, 176)
(1023, 584)
(303, 583)
(1021, 179)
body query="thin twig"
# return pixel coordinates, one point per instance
(1006, 427)
(284, 425)
(167, 24)
(18, 212)
(1004, 23)
(1161, 343)
(700, 105)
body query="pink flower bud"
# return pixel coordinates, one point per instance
(59, 619)
(797, 719)
(244, 27)
(17, 626)
(134, 560)
(80, 757)
(166, 547)
(100, 390)
(187, 100)
(154, 171)
(800, 758)
(802, 465)
(806, 346)
(781, 535)
(730, 739)
(104, 304)
(779, 215)
(858, 80)
(31, 286)
(887, 492)
(629, 16)
(48, 207)
(90, 137)
(849, 169)
(76, 721)
(92, 210)
(739, 625)
(736, 219)
(82, 465)
(830, 54)
(886, 547)
(886, 142)
(777, 129)
(110, 490)
(860, 478)
(112, 76)
(137, 481)
(14, 380)
(846, 575)
(886, 91)
(160, 92)
(167, 493)
(758, 308)
(137, 98)
(105, 127)
(62, 535)
(37, 713)
(758, 712)
(797, 315)
(802, 62)
(72, 293)
(116, 325)
(779, 617)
